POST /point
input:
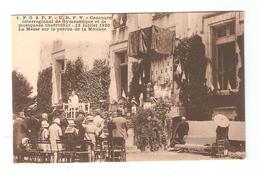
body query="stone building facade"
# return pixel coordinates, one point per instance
(221, 32)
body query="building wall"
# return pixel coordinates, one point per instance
(184, 25)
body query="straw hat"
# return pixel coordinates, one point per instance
(57, 120)
(44, 124)
(90, 118)
(98, 111)
(45, 116)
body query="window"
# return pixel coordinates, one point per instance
(225, 30)
(226, 66)
(225, 54)
(123, 73)
(119, 20)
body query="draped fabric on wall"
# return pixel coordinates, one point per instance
(151, 40)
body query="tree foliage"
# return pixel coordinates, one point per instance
(44, 90)
(90, 85)
(190, 54)
(21, 92)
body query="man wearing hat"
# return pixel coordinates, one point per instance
(81, 130)
(181, 132)
(20, 131)
(91, 131)
(99, 121)
(55, 134)
(59, 113)
(119, 133)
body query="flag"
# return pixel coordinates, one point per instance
(140, 80)
(209, 77)
(228, 85)
(218, 85)
(179, 70)
(183, 77)
(123, 94)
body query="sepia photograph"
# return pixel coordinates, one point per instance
(126, 87)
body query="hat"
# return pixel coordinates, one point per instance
(90, 118)
(81, 112)
(79, 120)
(57, 120)
(44, 124)
(183, 118)
(45, 116)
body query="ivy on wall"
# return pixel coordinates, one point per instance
(90, 85)
(44, 90)
(190, 54)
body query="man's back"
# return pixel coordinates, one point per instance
(98, 121)
(120, 127)
(55, 132)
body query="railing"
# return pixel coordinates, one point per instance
(71, 111)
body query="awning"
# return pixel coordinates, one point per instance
(151, 40)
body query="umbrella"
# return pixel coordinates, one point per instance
(221, 120)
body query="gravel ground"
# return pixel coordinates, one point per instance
(166, 156)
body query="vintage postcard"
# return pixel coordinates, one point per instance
(128, 87)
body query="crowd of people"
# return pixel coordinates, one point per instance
(94, 127)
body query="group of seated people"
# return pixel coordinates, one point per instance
(93, 128)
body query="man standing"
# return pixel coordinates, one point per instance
(99, 122)
(20, 131)
(55, 134)
(119, 132)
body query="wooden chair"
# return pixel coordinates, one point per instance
(32, 152)
(118, 151)
(218, 148)
(101, 150)
(46, 155)
(84, 154)
(63, 156)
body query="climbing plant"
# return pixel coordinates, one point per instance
(189, 55)
(90, 85)
(44, 90)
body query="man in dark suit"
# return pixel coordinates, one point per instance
(20, 131)
(119, 132)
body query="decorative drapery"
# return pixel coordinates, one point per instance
(151, 40)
